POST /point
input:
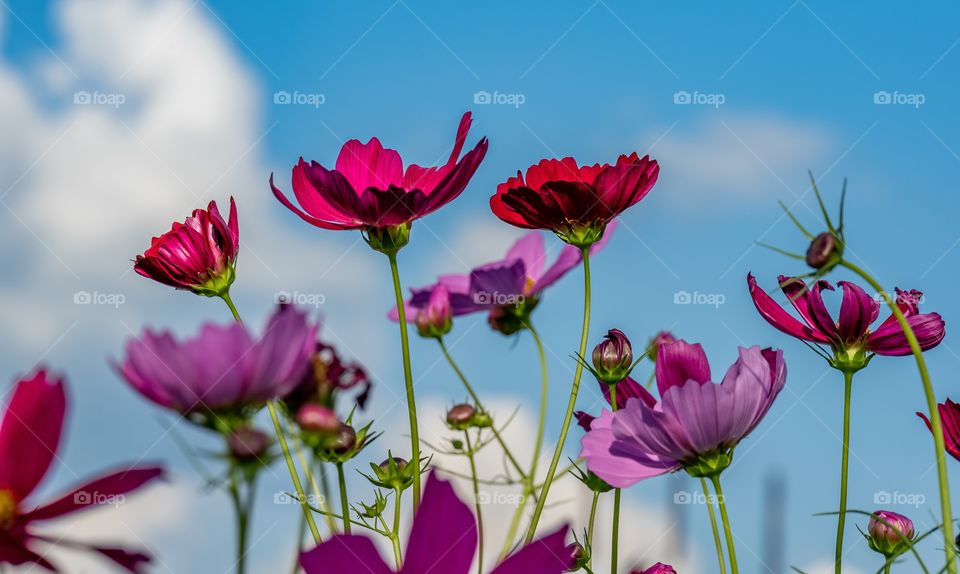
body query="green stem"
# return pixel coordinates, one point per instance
(242, 517)
(590, 526)
(713, 526)
(395, 538)
(408, 380)
(476, 499)
(284, 447)
(844, 465)
(344, 501)
(615, 544)
(728, 533)
(886, 566)
(936, 426)
(544, 392)
(515, 523)
(571, 404)
(476, 399)
(325, 487)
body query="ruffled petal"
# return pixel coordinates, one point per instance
(679, 362)
(620, 463)
(889, 339)
(857, 312)
(778, 317)
(30, 432)
(370, 165)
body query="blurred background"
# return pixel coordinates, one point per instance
(121, 116)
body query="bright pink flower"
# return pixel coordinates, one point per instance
(857, 312)
(950, 419)
(223, 368)
(443, 540)
(29, 441)
(575, 202)
(658, 568)
(697, 423)
(199, 254)
(369, 189)
(436, 319)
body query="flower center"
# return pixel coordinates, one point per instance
(8, 508)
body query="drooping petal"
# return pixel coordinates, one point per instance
(30, 432)
(857, 312)
(679, 362)
(105, 490)
(343, 554)
(443, 537)
(333, 222)
(547, 555)
(778, 317)
(626, 466)
(889, 339)
(950, 421)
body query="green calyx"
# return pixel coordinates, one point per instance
(710, 464)
(388, 240)
(850, 358)
(511, 319)
(218, 284)
(394, 473)
(581, 235)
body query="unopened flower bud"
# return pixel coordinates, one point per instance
(661, 338)
(613, 357)
(460, 416)
(579, 555)
(436, 319)
(889, 533)
(394, 473)
(317, 418)
(345, 440)
(247, 444)
(400, 463)
(658, 568)
(822, 251)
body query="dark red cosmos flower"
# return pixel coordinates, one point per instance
(574, 202)
(29, 438)
(950, 419)
(368, 189)
(198, 254)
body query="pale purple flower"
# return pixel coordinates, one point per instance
(695, 421)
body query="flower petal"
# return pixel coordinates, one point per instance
(443, 537)
(857, 312)
(30, 432)
(889, 339)
(104, 490)
(778, 316)
(343, 554)
(621, 463)
(679, 362)
(370, 165)
(547, 555)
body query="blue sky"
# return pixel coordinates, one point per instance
(791, 86)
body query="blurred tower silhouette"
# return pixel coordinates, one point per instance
(774, 523)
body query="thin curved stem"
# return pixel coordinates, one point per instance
(476, 499)
(408, 380)
(243, 523)
(395, 533)
(936, 425)
(590, 527)
(615, 544)
(233, 308)
(844, 465)
(571, 404)
(728, 533)
(344, 501)
(544, 393)
(713, 525)
(476, 399)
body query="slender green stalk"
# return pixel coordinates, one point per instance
(301, 530)
(327, 495)
(395, 538)
(713, 526)
(615, 544)
(571, 404)
(544, 393)
(344, 501)
(243, 523)
(514, 524)
(476, 399)
(284, 447)
(590, 526)
(407, 380)
(731, 550)
(476, 499)
(844, 465)
(886, 566)
(936, 425)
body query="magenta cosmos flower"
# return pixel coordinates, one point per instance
(368, 189)
(950, 419)
(850, 337)
(658, 568)
(223, 368)
(508, 289)
(29, 441)
(443, 540)
(575, 202)
(199, 254)
(696, 425)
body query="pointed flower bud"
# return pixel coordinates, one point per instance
(436, 319)
(247, 444)
(316, 418)
(394, 473)
(460, 417)
(825, 250)
(889, 533)
(613, 357)
(345, 440)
